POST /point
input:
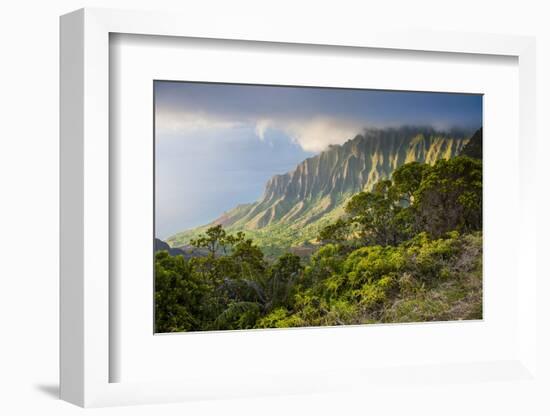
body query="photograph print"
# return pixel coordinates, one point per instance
(289, 206)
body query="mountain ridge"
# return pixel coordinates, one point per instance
(297, 203)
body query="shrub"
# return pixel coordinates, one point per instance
(280, 318)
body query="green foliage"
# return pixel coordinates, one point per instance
(450, 197)
(370, 264)
(336, 232)
(430, 257)
(238, 315)
(376, 214)
(419, 198)
(280, 318)
(407, 179)
(410, 250)
(179, 295)
(216, 240)
(281, 284)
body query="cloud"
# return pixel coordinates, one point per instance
(173, 121)
(311, 117)
(312, 134)
(261, 127)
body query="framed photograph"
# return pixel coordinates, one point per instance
(279, 213)
(289, 207)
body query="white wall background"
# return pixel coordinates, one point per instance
(29, 182)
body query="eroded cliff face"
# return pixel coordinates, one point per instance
(296, 204)
(322, 182)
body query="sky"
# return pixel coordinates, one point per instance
(217, 144)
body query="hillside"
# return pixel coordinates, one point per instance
(296, 204)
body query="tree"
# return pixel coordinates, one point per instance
(450, 197)
(216, 240)
(235, 268)
(283, 276)
(337, 232)
(375, 212)
(249, 258)
(179, 295)
(407, 179)
(419, 197)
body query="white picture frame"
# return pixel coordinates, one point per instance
(85, 351)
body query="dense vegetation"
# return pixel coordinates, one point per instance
(409, 250)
